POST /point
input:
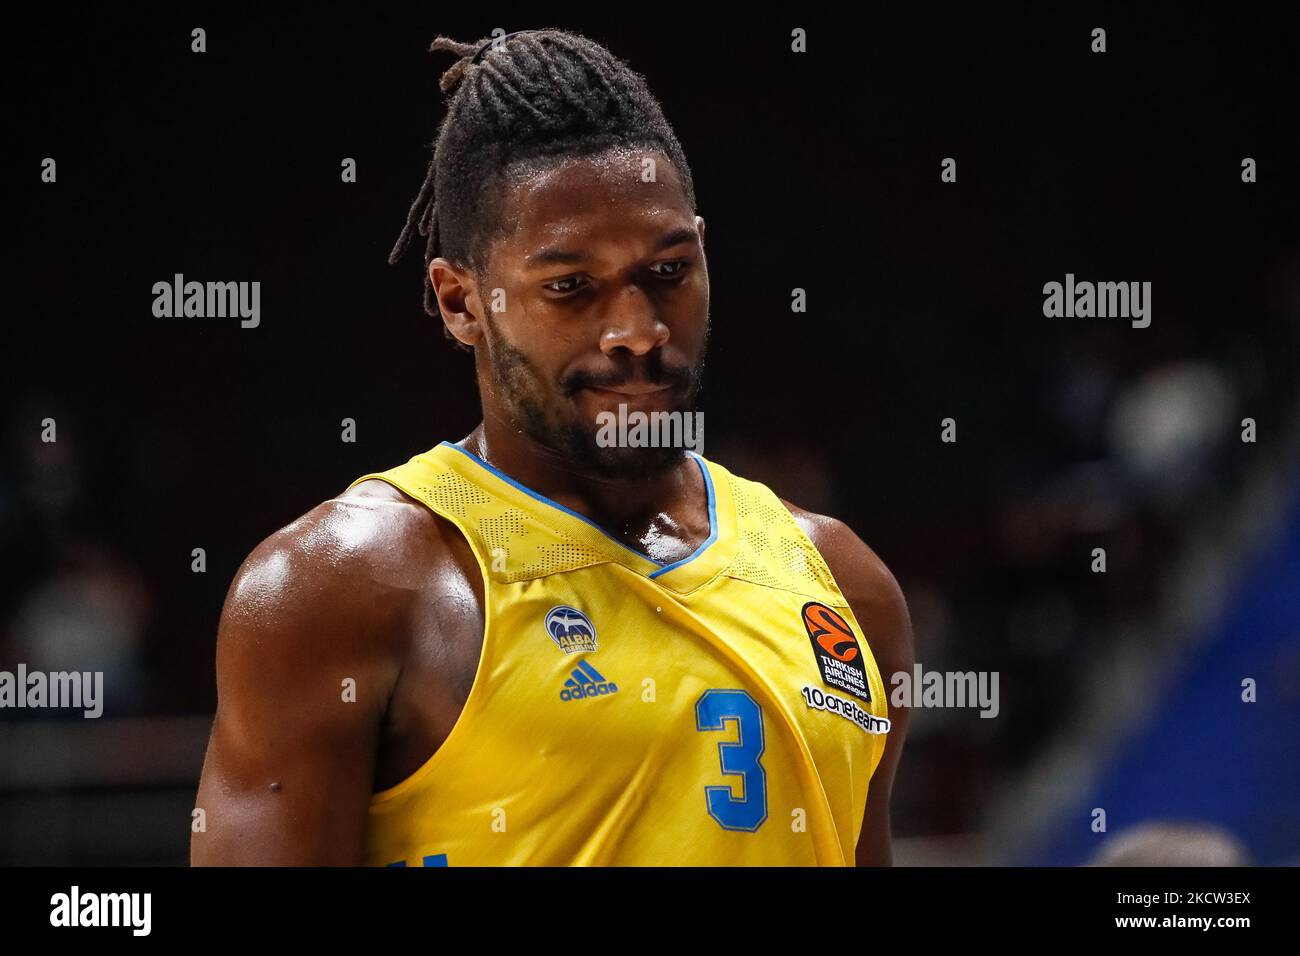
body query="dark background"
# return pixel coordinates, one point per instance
(818, 171)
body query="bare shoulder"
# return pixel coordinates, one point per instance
(348, 566)
(863, 578)
(363, 533)
(868, 584)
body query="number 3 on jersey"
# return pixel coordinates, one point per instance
(739, 758)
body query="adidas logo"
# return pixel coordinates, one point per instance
(586, 682)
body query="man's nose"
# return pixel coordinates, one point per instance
(633, 323)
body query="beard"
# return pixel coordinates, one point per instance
(553, 422)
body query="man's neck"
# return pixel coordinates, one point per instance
(665, 516)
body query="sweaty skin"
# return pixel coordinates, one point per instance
(600, 282)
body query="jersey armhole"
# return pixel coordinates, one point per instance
(476, 690)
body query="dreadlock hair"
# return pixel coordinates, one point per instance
(528, 98)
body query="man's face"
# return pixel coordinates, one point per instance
(596, 296)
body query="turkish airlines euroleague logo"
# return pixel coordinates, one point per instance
(836, 648)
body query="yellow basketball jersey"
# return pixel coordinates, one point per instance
(721, 710)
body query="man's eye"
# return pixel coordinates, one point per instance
(569, 284)
(671, 271)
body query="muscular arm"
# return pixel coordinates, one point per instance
(878, 604)
(291, 760)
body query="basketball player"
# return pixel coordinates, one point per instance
(530, 647)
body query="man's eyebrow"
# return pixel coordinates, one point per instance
(554, 255)
(675, 236)
(558, 255)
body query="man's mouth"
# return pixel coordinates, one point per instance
(631, 388)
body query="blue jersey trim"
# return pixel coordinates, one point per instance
(713, 521)
(663, 569)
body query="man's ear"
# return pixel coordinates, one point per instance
(459, 303)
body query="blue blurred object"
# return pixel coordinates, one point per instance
(1205, 756)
